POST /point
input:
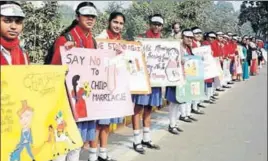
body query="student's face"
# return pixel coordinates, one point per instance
(26, 119)
(11, 27)
(117, 24)
(198, 36)
(244, 41)
(87, 22)
(156, 27)
(211, 39)
(187, 40)
(177, 28)
(220, 38)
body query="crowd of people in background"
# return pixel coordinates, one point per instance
(96, 133)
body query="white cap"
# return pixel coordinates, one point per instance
(219, 33)
(230, 34)
(226, 36)
(157, 19)
(196, 31)
(211, 35)
(88, 10)
(188, 33)
(11, 10)
(235, 38)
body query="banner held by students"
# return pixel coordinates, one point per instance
(210, 67)
(36, 118)
(133, 59)
(194, 88)
(163, 61)
(98, 88)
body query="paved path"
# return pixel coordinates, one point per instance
(234, 129)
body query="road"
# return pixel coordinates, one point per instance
(234, 129)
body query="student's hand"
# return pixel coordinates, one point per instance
(118, 49)
(69, 44)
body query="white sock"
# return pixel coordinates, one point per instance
(182, 108)
(93, 154)
(194, 103)
(188, 109)
(137, 137)
(103, 153)
(172, 114)
(146, 134)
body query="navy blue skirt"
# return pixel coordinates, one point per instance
(153, 99)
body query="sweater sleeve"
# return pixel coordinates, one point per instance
(56, 59)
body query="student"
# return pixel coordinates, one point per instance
(176, 31)
(185, 107)
(79, 35)
(12, 17)
(113, 32)
(146, 102)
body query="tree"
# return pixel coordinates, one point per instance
(42, 26)
(256, 12)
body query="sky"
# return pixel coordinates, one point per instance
(101, 5)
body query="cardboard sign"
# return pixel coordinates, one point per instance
(194, 88)
(210, 67)
(98, 88)
(163, 59)
(36, 118)
(133, 60)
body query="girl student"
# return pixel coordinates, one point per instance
(11, 17)
(115, 26)
(80, 35)
(146, 102)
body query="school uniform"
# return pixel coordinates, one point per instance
(87, 129)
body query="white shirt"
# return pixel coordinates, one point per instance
(103, 35)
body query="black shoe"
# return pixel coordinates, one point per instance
(179, 129)
(200, 105)
(107, 159)
(139, 148)
(185, 119)
(230, 82)
(215, 98)
(226, 86)
(212, 101)
(192, 118)
(173, 130)
(150, 145)
(207, 101)
(198, 112)
(220, 90)
(216, 94)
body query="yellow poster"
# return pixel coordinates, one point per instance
(36, 118)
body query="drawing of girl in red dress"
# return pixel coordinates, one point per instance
(79, 95)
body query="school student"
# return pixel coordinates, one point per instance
(145, 103)
(113, 32)
(79, 34)
(12, 17)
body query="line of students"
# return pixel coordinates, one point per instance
(79, 34)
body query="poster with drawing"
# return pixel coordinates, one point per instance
(133, 60)
(98, 89)
(36, 118)
(163, 60)
(194, 88)
(210, 67)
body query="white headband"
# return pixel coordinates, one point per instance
(219, 33)
(88, 10)
(11, 10)
(211, 35)
(196, 31)
(188, 33)
(157, 19)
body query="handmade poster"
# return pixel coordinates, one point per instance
(163, 60)
(264, 54)
(240, 52)
(133, 60)
(194, 88)
(219, 81)
(36, 118)
(210, 66)
(97, 88)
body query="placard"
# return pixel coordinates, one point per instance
(210, 66)
(163, 60)
(133, 59)
(194, 88)
(98, 90)
(36, 118)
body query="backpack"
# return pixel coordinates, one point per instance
(68, 37)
